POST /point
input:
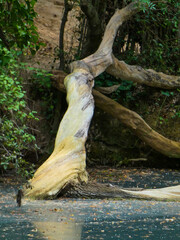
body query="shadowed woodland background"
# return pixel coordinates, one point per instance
(150, 39)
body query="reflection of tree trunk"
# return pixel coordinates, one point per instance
(66, 166)
(63, 230)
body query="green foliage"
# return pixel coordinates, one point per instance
(105, 80)
(177, 113)
(150, 39)
(146, 5)
(15, 137)
(167, 93)
(16, 24)
(43, 90)
(162, 102)
(17, 34)
(125, 90)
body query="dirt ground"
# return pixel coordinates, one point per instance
(48, 21)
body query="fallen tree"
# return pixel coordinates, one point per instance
(130, 118)
(65, 170)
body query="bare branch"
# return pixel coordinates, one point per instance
(101, 59)
(132, 120)
(108, 90)
(120, 69)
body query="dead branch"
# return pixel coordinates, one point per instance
(132, 120)
(108, 90)
(120, 69)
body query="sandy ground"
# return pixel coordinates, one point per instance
(48, 22)
(49, 19)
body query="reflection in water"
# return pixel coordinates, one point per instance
(60, 230)
(136, 229)
(97, 219)
(73, 219)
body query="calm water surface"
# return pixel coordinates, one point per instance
(72, 219)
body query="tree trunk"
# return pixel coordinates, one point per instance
(97, 190)
(67, 8)
(94, 31)
(66, 166)
(67, 162)
(131, 119)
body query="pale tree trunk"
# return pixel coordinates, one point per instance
(66, 166)
(130, 118)
(67, 162)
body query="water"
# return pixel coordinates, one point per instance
(80, 219)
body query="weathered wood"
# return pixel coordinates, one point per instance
(66, 165)
(98, 190)
(132, 120)
(108, 90)
(67, 162)
(120, 69)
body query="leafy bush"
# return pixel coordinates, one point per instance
(16, 24)
(150, 39)
(15, 137)
(17, 33)
(125, 90)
